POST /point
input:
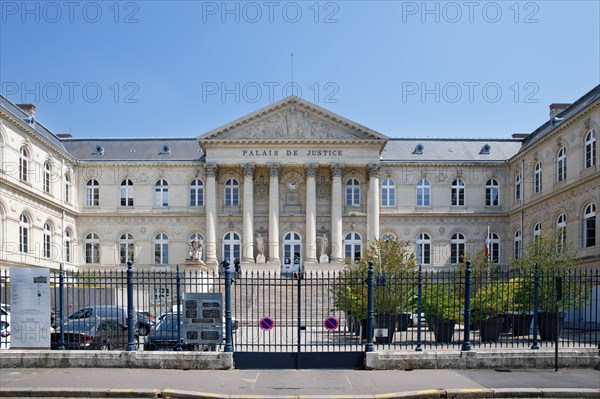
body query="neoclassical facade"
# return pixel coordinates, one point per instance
(293, 186)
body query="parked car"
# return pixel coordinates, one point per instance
(111, 312)
(164, 336)
(93, 333)
(234, 322)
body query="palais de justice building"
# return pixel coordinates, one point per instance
(291, 186)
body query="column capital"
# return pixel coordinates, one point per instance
(312, 169)
(211, 169)
(249, 169)
(337, 169)
(374, 169)
(274, 169)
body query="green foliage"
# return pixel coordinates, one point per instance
(395, 265)
(491, 298)
(441, 301)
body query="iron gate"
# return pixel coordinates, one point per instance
(292, 321)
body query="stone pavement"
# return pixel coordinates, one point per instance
(121, 383)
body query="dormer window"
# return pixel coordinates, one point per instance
(99, 150)
(418, 149)
(166, 150)
(485, 150)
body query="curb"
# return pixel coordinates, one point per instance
(423, 394)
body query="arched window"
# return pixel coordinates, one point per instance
(68, 246)
(24, 233)
(458, 193)
(92, 248)
(590, 149)
(494, 245)
(292, 252)
(232, 192)
(388, 192)
(518, 187)
(231, 247)
(353, 192)
(47, 181)
(518, 243)
(385, 237)
(423, 249)
(23, 164)
(561, 230)
(492, 193)
(423, 193)
(68, 185)
(457, 248)
(561, 164)
(353, 247)
(537, 177)
(589, 226)
(161, 249)
(196, 193)
(537, 231)
(126, 192)
(126, 248)
(161, 193)
(47, 247)
(92, 193)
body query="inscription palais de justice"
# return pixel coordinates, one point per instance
(292, 153)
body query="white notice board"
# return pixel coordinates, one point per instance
(30, 307)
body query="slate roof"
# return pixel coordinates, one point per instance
(43, 131)
(449, 150)
(134, 149)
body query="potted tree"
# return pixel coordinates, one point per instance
(490, 302)
(442, 307)
(554, 259)
(395, 285)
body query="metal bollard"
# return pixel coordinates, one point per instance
(466, 346)
(419, 307)
(61, 308)
(179, 310)
(536, 287)
(228, 329)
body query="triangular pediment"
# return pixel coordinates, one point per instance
(292, 119)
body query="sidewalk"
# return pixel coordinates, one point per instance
(121, 383)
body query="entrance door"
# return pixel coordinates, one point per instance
(292, 254)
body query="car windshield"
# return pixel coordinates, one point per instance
(167, 324)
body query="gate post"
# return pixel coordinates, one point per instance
(536, 285)
(228, 337)
(130, 312)
(419, 306)
(370, 308)
(466, 346)
(61, 309)
(179, 310)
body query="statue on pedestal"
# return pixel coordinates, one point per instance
(195, 250)
(323, 244)
(260, 247)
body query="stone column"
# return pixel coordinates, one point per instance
(274, 170)
(373, 203)
(248, 213)
(311, 212)
(337, 250)
(210, 244)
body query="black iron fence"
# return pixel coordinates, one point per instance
(323, 311)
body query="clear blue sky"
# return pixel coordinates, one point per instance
(403, 68)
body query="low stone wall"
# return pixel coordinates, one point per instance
(115, 359)
(483, 359)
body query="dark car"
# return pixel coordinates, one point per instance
(93, 333)
(164, 336)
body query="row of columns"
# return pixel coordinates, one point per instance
(337, 201)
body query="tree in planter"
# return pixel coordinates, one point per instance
(442, 307)
(395, 282)
(490, 301)
(554, 259)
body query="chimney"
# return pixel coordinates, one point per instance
(557, 108)
(64, 135)
(29, 108)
